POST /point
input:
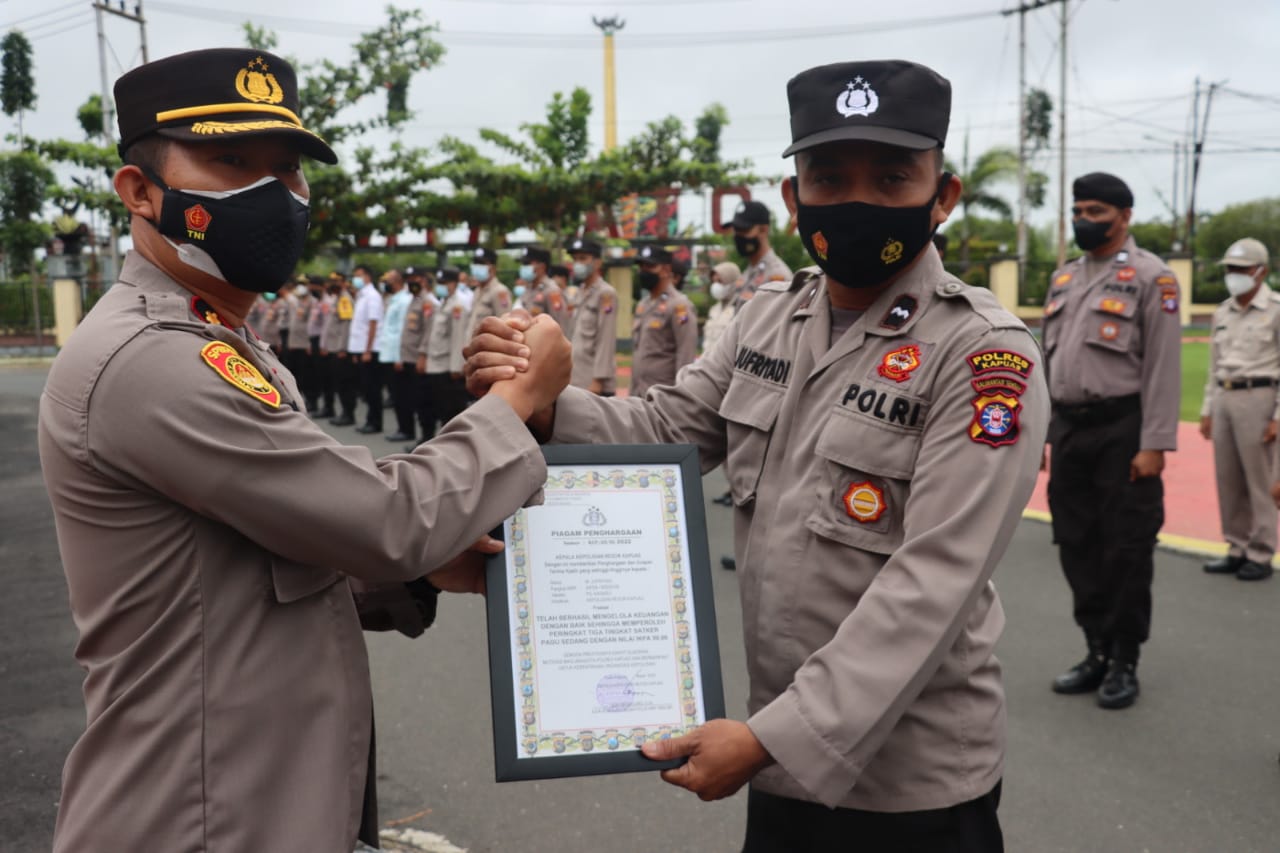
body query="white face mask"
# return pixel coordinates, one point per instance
(719, 290)
(1239, 283)
(301, 290)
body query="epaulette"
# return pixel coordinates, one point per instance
(982, 301)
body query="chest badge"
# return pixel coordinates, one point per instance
(1113, 306)
(231, 366)
(1126, 274)
(899, 364)
(864, 502)
(1109, 331)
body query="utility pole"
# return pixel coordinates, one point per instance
(1021, 11)
(1062, 140)
(108, 106)
(609, 26)
(1197, 149)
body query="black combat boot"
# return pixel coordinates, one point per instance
(1085, 676)
(1120, 686)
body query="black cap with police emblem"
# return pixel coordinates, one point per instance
(448, 273)
(214, 95)
(484, 256)
(584, 246)
(535, 253)
(653, 255)
(891, 101)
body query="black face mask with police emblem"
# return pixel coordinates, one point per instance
(859, 244)
(1089, 234)
(254, 236)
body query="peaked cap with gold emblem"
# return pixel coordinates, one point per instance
(216, 94)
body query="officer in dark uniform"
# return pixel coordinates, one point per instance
(1112, 337)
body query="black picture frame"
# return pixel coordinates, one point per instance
(508, 766)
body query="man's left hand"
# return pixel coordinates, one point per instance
(1269, 434)
(1147, 463)
(723, 756)
(465, 572)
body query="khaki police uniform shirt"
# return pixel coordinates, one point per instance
(336, 331)
(430, 305)
(258, 314)
(318, 314)
(769, 268)
(226, 681)
(876, 484)
(277, 316)
(595, 336)
(1245, 345)
(545, 297)
(415, 329)
(1112, 329)
(664, 338)
(448, 325)
(492, 299)
(299, 315)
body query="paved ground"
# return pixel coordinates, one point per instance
(1191, 768)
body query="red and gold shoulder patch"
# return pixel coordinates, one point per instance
(682, 314)
(995, 417)
(864, 502)
(606, 303)
(899, 364)
(231, 366)
(1168, 294)
(993, 360)
(557, 304)
(1126, 274)
(1062, 279)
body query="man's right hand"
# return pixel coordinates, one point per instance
(550, 364)
(497, 351)
(367, 357)
(1206, 426)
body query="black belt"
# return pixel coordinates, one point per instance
(1248, 382)
(1098, 411)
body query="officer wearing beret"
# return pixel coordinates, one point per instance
(1241, 409)
(1112, 339)
(595, 325)
(664, 333)
(750, 226)
(226, 682)
(492, 298)
(543, 295)
(880, 423)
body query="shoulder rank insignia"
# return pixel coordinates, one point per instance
(864, 502)
(902, 310)
(899, 364)
(231, 366)
(1062, 279)
(205, 311)
(995, 418)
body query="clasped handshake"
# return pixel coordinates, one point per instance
(525, 360)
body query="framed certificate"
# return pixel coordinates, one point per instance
(602, 630)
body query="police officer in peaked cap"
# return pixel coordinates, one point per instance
(227, 687)
(881, 425)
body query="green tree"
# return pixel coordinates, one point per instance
(1039, 119)
(17, 81)
(25, 180)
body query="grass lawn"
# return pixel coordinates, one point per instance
(1195, 365)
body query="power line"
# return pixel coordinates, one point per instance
(75, 26)
(43, 14)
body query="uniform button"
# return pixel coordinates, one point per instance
(952, 287)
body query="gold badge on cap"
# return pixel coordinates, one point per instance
(255, 83)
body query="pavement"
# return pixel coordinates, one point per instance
(1191, 768)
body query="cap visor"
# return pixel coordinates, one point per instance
(230, 131)
(870, 133)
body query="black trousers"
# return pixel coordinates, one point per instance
(1105, 527)
(448, 395)
(346, 382)
(400, 384)
(322, 370)
(424, 404)
(371, 389)
(783, 825)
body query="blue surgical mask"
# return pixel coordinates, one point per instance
(526, 272)
(519, 290)
(480, 272)
(357, 281)
(442, 291)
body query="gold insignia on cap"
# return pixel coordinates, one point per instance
(255, 83)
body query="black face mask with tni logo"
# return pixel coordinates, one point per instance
(862, 245)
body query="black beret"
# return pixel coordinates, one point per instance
(535, 253)
(484, 256)
(890, 101)
(1099, 186)
(448, 274)
(651, 254)
(214, 95)
(584, 246)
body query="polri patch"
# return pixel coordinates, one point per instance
(899, 364)
(902, 310)
(864, 502)
(995, 417)
(994, 360)
(231, 366)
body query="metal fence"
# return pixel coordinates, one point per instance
(26, 309)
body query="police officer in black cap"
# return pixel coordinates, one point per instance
(751, 240)
(881, 425)
(664, 333)
(542, 295)
(1112, 337)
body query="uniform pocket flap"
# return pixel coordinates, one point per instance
(752, 403)
(1117, 306)
(858, 442)
(293, 581)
